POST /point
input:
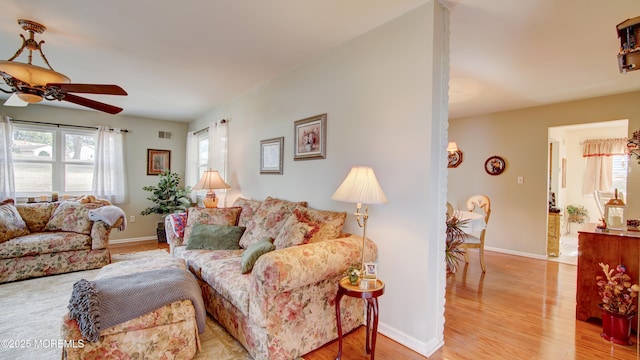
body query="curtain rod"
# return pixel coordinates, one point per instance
(65, 125)
(223, 121)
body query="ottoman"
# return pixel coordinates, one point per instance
(170, 332)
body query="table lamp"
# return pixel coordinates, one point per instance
(211, 181)
(361, 187)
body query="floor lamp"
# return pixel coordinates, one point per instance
(361, 187)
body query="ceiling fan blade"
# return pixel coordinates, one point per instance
(110, 109)
(14, 100)
(90, 88)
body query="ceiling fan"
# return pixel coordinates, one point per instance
(30, 83)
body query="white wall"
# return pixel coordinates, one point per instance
(143, 135)
(518, 221)
(381, 96)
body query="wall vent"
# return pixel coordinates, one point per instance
(164, 135)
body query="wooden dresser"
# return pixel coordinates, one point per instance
(613, 248)
(553, 235)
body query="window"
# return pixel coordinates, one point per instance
(52, 159)
(203, 152)
(620, 169)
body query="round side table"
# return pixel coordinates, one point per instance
(376, 289)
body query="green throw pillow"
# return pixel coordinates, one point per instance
(253, 252)
(215, 237)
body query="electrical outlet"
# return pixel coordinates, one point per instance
(520, 180)
(132, 218)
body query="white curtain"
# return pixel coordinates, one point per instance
(599, 152)
(7, 186)
(218, 153)
(109, 178)
(191, 165)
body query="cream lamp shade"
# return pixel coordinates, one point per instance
(361, 187)
(452, 147)
(210, 181)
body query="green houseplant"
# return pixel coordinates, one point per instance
(168, 196)
(577, 214)
(455, 237)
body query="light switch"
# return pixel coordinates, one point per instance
(520, 180)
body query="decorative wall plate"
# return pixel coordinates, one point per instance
(454, 158)
(494, 165)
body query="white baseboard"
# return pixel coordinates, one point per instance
(423, 348)
(517, 253)
(132, 240)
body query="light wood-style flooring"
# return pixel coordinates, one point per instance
(520, 309)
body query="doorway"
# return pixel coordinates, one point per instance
(566, 172)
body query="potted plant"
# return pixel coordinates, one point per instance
(455, 237)
(618, 294)
(169, 197)
(577, 214)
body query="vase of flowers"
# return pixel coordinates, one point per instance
(354, 274)
(618, 309)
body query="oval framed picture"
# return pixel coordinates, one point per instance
(494, 165)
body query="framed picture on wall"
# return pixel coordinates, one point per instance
(310, 138)
(158, 161)
(271, 155)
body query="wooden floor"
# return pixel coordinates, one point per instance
(520, 309)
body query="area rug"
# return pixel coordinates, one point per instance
(32, 311)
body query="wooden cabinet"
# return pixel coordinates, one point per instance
(553, 235)
(613, 248)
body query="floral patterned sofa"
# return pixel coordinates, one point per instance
(284, 306)
(50, 238)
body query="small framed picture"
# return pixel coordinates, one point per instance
(271, 155)
(310, 138)
(158, 161)
(494, 165)
(370, 271)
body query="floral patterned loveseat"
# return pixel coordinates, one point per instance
(50, 238)
(283, 307)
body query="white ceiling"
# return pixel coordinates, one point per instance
(178, 61)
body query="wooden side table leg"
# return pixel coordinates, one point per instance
(339, 323)
(372, 326)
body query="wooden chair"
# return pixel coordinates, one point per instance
(482, 203)
(450, 210)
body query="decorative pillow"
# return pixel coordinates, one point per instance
(268, 220)
(215, 237)
(253, 252)
(7, 201)
(249, 208)
(36, 215)
(179, 222)
(331, 223)
(297, 230)
(210, 216)
(72, 216)
(11, 224)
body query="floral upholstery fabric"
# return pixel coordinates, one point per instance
(178, 223)
(249, 208)
(72, 216)
(44, 243)
(20, 268)
(268, 220)
(37, 215)
(291, 295)
(331, 222)
(297, 230)
(210, 216)
(169, 332)
(11, 223)
(47, 252)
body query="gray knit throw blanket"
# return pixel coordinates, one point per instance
(100, 304)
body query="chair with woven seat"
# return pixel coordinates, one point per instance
(481, 203)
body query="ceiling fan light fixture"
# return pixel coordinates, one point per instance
(30, 98)
(32, 74)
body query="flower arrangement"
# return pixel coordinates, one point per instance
(577, 214)
(353, 272)
(616, 290)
